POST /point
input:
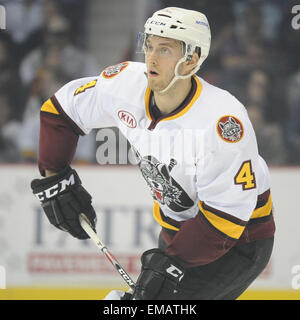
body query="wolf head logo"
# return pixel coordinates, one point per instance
(231, 129)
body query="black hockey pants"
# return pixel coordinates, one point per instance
(229, 276)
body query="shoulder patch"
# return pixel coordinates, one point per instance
(112, 71)
(230, 129)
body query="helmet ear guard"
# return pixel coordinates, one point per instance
(190, 56)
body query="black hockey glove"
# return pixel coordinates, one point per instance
(126, 296)
(160, 276)
(63, 198)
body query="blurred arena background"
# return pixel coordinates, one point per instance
(47, 43)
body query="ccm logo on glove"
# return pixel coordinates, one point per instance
(54, 190)
(175, 272)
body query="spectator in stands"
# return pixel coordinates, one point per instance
(10, 82)
(9, 131)
(50, 9)
(47, 81)
(258, 90)
(254, 44)
(269, 137)
(293, 121)
(23, 17)
(269, 134)
(242, 51)
(77, 12)
(72, 61)
(27, 20)
(269, 14)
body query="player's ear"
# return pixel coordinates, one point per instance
(192, 63)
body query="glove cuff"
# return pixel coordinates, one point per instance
(159, 252)
(156, 259)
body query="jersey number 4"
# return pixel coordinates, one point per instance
(245, 176)
(86, 86)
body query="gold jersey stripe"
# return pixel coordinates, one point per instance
(147, 100)
(225, 226)
(158, 218)
(264, 210)
(48, 106)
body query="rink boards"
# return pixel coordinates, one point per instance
(42, 262)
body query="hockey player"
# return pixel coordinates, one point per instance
(212, 197)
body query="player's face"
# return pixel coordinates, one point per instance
(161, 57)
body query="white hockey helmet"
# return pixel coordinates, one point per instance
(189, 26)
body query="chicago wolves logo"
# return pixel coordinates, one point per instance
(230, 129)
(163, 187)
(112, 71)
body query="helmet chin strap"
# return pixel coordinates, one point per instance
(177, 75)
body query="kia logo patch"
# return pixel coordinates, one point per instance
(127, 118)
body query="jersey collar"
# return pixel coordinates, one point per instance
(184, 108)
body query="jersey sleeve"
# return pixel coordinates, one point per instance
(73, 110)
(226, 173)
(226, 188)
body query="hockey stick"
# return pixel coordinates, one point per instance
(85, 223)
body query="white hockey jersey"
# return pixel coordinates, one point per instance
(202, 156)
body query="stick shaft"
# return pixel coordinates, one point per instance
(88, 229)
